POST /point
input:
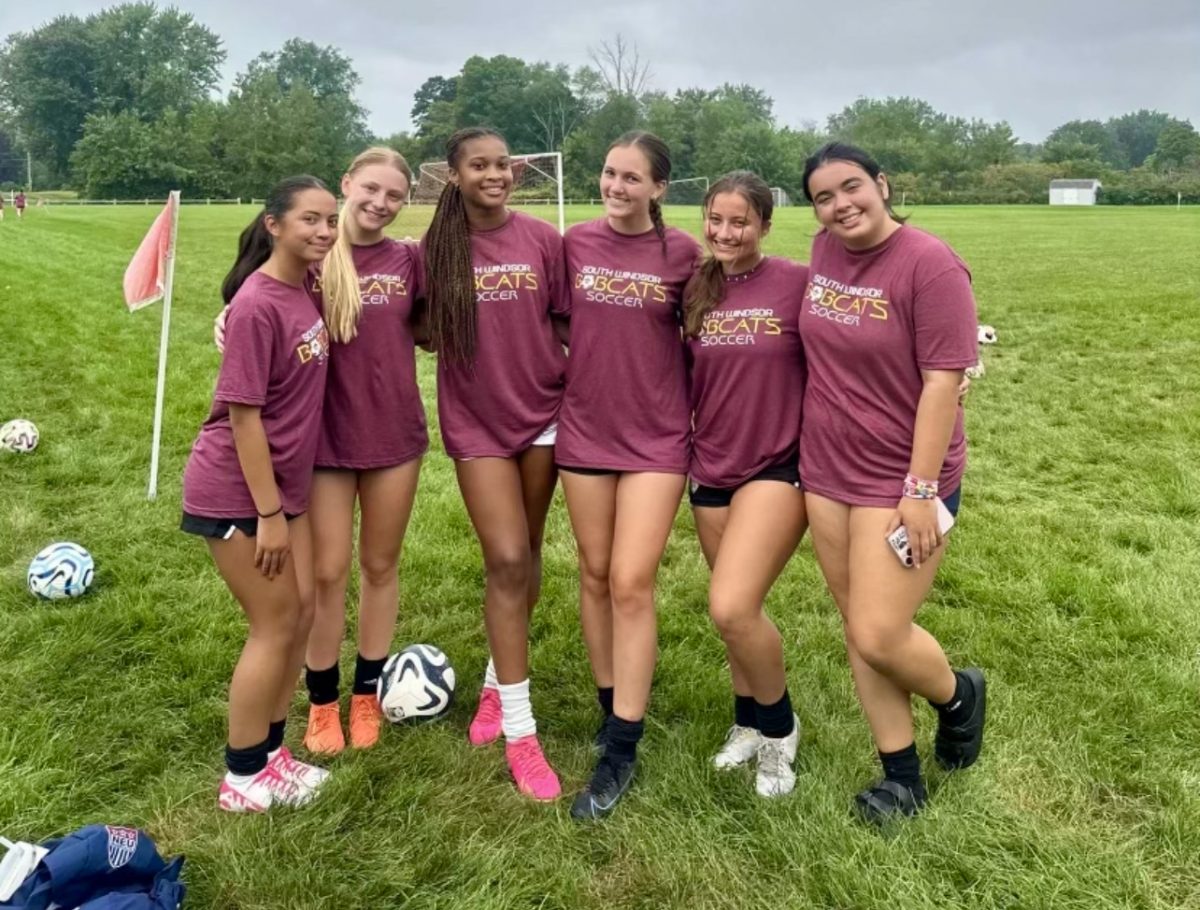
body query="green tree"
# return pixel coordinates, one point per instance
(292, 112)
(130, 58)
(48, 81)
(1084, 140)
(433, 90)
(1178, 148)
(149, 61)
(1137, 133)
(585, 148)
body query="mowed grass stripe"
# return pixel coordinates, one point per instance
(1072, 578)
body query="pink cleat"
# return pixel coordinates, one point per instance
(265, 789)
(307, 777)
(485, 727)
(533, 774)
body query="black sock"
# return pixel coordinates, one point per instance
(604, 695)
(246, 761)
(777, 720)
(744, 714)
(275, 734)
(366, 674)
(322, 685)
(904, 767)
(958, 709)
(623, 738)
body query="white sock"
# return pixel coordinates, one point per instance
(489, 676)
(517, 710)
(238, 780)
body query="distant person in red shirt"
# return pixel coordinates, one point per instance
(1, 206)
(624, 437)
(741, 319)
(19, 204)
(888, 328)
(246, 484)
(494, 286)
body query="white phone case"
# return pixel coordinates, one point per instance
(898, 539)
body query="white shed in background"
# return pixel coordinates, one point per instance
(1074, 192)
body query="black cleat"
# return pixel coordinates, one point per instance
(600, 740)
(609, 782)
(887, 801)
(958, 746)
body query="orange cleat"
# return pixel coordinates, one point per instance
(365, 717)
(324, 734)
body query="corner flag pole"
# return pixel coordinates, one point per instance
(168, 285)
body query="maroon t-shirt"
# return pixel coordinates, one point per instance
(501, 404)
(626, 406)
(747, 372)
(276, 355)
(373, 415)
(872, 320)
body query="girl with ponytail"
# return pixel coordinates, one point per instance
(624, 437)
(494, 285)
(372, 439)
(246, 485)
(741, 315)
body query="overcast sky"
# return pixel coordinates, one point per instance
(1034, 63)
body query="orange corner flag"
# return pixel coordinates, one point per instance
(146, 276)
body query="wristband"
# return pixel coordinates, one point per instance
(271, 514)
(916, 488)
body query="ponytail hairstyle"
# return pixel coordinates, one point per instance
(450, 279)
(256, 243)
(851, 154)
(339, 278)
(705, 290)
(658, 154)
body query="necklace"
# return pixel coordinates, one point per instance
(746, 275)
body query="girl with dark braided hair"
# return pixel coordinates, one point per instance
(624, 437)
(494, 280)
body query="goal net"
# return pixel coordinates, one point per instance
(537, 181)
(780, 197)
(689, 191)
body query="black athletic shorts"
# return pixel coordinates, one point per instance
(590, 472)
(221, 528)
(703, 497)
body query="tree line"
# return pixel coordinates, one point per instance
(123, 103)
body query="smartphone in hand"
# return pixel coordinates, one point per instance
(898, 539)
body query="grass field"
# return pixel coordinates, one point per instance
(1073, 578)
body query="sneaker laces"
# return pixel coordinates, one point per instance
(603, 777)
(529, 754)
(280, 787)
(364, 709)
(489, 710)
(737, 734)
(772, 759)
(324, 721)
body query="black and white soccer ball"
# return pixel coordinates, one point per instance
(61, 570)
(987, 334)
(416, 684)
(19, 436)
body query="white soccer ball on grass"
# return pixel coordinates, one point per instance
(61, 570)
(417, 683)
(19, 436)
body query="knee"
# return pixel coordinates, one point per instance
(874, 641)
(329, 573)
(732, 616)
(378, 572)
(509, 570)
(594, 579)
(631, 592)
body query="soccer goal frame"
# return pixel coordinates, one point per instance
(700, 183)
(433, 175)
(780, 197)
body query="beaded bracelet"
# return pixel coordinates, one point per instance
(916, 488)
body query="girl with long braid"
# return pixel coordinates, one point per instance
(494, 282)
